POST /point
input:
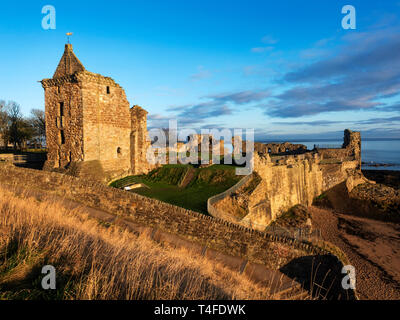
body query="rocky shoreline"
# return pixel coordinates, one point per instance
(375, 164)
(388, 178)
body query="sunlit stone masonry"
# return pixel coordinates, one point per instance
(89, 122)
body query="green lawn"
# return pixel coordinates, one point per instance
(164, 183)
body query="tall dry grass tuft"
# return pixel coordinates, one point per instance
(97, 262)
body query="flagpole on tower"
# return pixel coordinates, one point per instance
(68, 35)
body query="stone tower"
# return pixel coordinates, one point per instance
(88, 119)
(139, 141)
(352, 143)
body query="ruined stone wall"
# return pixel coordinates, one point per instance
(352, 142)
(64, 115)
(207, 142)
(285, 148)
(279, 148)
(139, 142)
(296, 181)
(97, 124)
(106, 123)
(289, 180)
(351, 149)
(87, 118)
(334, 154)
(337, 173)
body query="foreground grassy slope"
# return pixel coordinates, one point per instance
(94, 261)
(165, 184)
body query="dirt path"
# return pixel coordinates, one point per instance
(373, 248)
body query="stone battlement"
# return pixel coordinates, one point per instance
(82, 76)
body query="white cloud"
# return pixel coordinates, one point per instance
(201, 74)
(268, 40)
(262, 49)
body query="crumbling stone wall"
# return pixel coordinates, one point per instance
(64, 121)
(285, 148)
(195, 145)
(139, 141)
(206, 142)
(106, 123)
(298, 179)
(352, 143)
(351, 149)
(280, 148)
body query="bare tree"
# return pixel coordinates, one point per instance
(3, 122)
(18, 130)
(14, 117)
(38, 123)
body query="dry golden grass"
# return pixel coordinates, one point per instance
(97, 262)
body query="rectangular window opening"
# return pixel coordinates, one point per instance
(61, 109)
(62, 137)
(108, 90)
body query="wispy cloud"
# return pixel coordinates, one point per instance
(365, 70)
(202, 73)
(268, 39)
(389, 120)
(262, 49)
(260, 135)
(241, 97)
(310, 123)
(198, 113)
(216, 105)
(363, 73)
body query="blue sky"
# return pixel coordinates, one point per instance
(285, 68)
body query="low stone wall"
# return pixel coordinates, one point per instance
(22, 158)
(332, 153)
(279, 148)
(235, 240)
(212, 209)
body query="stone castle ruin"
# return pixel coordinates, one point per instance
(89, 122)
(287, 176)
(91, 127)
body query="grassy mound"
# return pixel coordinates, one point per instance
(170, 174)
(165, 184)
